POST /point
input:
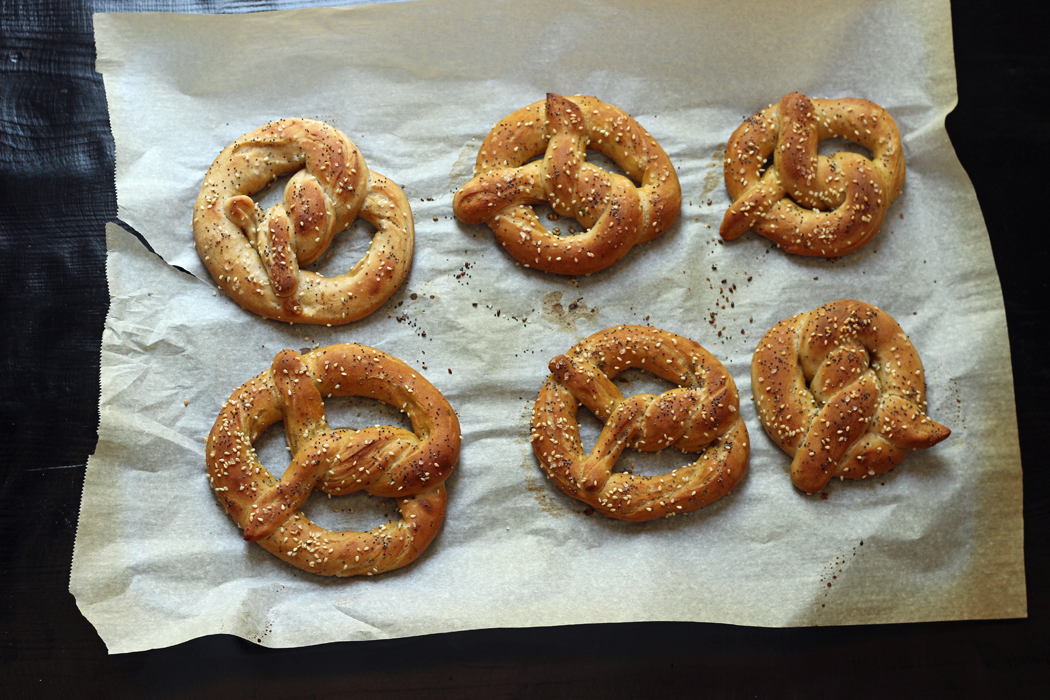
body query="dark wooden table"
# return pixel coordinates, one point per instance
(57, 193)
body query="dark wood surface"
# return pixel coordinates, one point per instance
(57, 193)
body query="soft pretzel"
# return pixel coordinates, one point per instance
(841, 389)
(616, 213)
(409, 466)
(700, 416)
(257, 258)
(807, 203)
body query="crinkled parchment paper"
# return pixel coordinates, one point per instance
(416, 86)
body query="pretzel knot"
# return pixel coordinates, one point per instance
(700, 416)
(841, 389)
(616, 213)
(810, 204)
(409, 466)
(258, 257)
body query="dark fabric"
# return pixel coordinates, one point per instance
(57, 193)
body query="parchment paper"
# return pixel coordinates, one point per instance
(416, 86)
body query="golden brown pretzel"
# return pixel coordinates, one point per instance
(841, 389)
(409, 466)
(616, 213)
(700, 416)
(257, 257)
(807, 203)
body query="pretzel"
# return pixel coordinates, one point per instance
(409, 466)
(616, 213)
(841, 389)
(700, 416)
(809, 204)
(257, 258)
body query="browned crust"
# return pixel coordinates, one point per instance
(410, 466)
(702, 416)
(616, 213)
(806, 203)
(257, 258)
(842, 390)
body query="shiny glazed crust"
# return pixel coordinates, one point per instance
(701, 416)
(409, 466)
(809, 204)
(842, 390)
(615, 212)
(257, 257)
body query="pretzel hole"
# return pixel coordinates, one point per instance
(348, 247)
(359, 412)
(272, 450)
(556, 224)
(837, 144)
(590, 428)
(273, 193)
(638, 381)
(600, 160)
(652, 463)
(766, 165)
(355, 511)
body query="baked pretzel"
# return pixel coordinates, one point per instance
(807, 203)
(841, 389)
(616, 213)
(257, 258)
(700, 416)
(409, 466)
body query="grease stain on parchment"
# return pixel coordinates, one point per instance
(540, 491)
(950, 404)
(463, 169)
(715, 173)
(565, 315)
(533, 483)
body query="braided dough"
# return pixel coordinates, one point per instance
(841, 389)
(700, 416)
(257, 258)
(616, 213)
(807, 203)
(409, 466)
